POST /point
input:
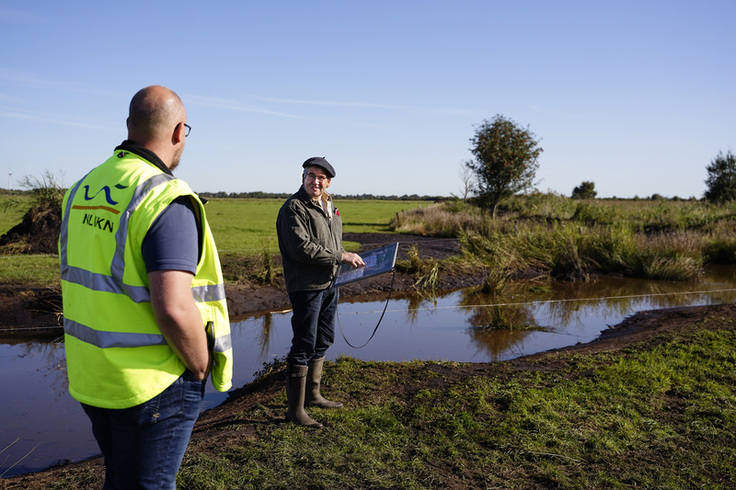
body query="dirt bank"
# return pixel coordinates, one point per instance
(33, 311)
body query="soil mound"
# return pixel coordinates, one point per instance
(37, 233)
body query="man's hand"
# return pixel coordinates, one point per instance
(352, 259)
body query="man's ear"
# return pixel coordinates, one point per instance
(178, 135)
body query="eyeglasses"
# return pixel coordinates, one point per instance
(189, 129)
(318, 178)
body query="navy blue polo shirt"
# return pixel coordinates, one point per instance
(172, 241)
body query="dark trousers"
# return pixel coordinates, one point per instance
(312, 323)
(143, 446)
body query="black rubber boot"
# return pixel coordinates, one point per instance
(314, 378)
(296, 382)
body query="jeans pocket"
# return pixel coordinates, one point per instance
(146, 413)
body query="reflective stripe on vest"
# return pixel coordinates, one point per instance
(105, 340)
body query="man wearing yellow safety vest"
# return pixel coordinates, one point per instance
(145, 318)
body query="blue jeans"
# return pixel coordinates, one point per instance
(143, 446)
(313, 324)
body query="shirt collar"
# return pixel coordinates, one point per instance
(145, 153)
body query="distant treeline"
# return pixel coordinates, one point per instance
(367, 197)
(370, 197)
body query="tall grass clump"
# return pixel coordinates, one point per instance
(438, 220)
(46, 190)
(550, 206)
(552, 251)
(426, 272)
(668, 256)
(594, 213)
(570, 251)
(38, 231)
(610, 248)
(720, 249)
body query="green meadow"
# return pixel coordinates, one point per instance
(242, 228)
(12, 210)
(556, 236)
(248, 226)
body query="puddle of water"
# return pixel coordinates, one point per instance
(43, 425)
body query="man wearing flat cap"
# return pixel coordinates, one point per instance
(309, 229)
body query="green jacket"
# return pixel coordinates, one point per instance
(310, 243)
(116, 354)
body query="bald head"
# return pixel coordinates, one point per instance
(156, 120)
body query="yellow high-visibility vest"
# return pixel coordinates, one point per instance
(116, 354)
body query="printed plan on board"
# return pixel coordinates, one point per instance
(377, 261)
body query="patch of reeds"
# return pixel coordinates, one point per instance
(240, 268)
(668, 256)
(561, 238)
(569, 251)
(267, 270)
(443, 220)
(426, 272)
(541, 205)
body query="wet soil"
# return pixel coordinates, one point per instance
(33, 311)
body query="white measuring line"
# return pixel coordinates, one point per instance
(25, 329)
(523, 303)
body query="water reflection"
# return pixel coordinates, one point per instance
(528, 310)
(46, 422)
(265, 338)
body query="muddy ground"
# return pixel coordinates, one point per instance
(35, 311)
(650, 326)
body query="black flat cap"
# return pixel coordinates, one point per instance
(321, 163)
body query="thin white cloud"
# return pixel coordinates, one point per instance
(366, 105)
(51, 119)
(26, 79)
(234, 105)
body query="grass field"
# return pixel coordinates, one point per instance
(565, 238)
(242, 227)
(248, 226)
(11, 211)
(556, 235)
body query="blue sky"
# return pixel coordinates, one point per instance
(636, 96)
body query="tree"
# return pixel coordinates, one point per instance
(586, 190)
(721, 179)
(466, 178)
(505, 160)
